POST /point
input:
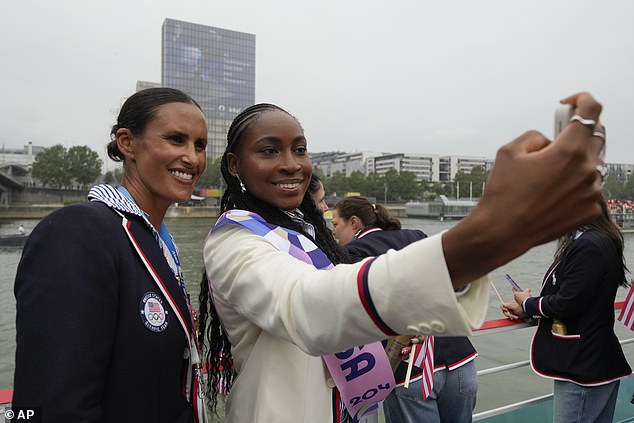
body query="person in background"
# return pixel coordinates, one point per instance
(21, 229)
(270, 313)
(105, 330)
(318, 193)
(367, 230)
(575, 344)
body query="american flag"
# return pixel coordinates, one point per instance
(153, 307)
(627, 312)
(424, 359)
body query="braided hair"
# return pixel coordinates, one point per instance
(218, 348)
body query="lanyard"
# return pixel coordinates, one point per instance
(167, 244)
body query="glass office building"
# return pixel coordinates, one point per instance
(216, 67)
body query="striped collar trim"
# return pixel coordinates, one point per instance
(113, 198)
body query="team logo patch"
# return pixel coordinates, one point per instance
(153, 313)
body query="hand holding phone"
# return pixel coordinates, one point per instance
(562, 117)
(514, 285)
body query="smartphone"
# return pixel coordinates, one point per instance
(514, 285)
(562, 117)
(563, 114)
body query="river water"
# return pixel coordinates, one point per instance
(494, 350)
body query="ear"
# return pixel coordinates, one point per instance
(124, 141)
(232, 164)
(355, 222)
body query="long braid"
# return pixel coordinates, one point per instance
(218, 352)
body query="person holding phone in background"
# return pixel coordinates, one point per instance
(575, 344)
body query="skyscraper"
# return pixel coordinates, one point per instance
(216, 67)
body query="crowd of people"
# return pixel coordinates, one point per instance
(293, 315)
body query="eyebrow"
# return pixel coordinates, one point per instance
(273, 138)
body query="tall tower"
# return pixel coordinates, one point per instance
(216, 67)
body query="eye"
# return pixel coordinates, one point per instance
(268, 151)
(201, 145)
(301, 149)
(176, 138)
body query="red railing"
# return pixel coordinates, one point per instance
(6, 395)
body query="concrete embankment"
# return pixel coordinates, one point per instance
(41, 211)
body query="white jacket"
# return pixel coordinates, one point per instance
(282, 314)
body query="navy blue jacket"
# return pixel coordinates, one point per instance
(580, 291)
(449, 352)
(86, 351)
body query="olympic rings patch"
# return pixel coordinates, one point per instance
(153, 313)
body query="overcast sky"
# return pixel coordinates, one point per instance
(443, 77)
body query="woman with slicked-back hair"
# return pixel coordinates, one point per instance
(105, 330)
(291, 329)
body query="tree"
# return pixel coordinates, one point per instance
(83, 164)
(374, 186)
(337, 184)
(357, 182)
(471, 183)
(212, 176)
(57, 167)
(405, 186)
(50, 167)
(113, 177)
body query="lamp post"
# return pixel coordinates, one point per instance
(385, 193)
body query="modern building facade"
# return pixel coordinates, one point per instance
(450, 165)
(216, 67)
(20, 157)
(426, 167)
(344, 163)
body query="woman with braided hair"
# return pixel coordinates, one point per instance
(279, 301)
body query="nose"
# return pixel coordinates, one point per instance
(289, 162)
(191, 156)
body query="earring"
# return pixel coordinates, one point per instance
(243, 189)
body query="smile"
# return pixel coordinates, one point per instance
(182, 175)
(288, 186)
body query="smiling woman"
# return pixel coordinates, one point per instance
(122, 340)
(273, 317)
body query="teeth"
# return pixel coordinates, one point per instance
(288, 186)
(181, 175)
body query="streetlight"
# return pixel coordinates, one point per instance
(385, 193)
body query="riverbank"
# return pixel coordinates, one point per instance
(36, 211)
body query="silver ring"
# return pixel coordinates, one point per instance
(598, 134)
(590, 123)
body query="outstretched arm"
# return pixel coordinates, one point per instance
(537, 191)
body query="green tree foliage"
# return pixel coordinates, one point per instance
(84, 165)
(357, 182)
(374, 186)
(50, 167)
(394, 186)
(471, 184)
(391, 186)
(619, 189)
(337, 184)
(212, 177)
(113, 177)
(57, 167)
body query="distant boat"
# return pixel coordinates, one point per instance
(440, 209)
(16, 240)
